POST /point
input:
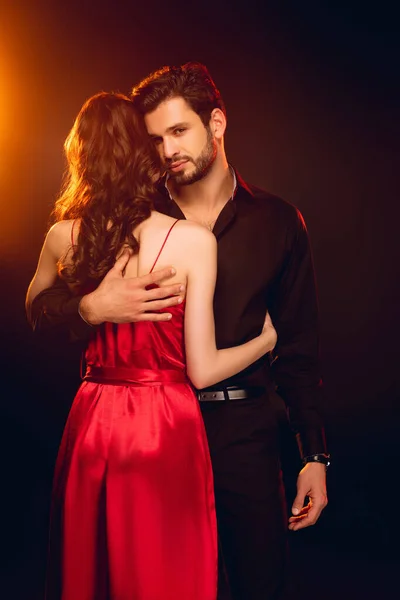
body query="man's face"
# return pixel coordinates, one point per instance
(186, 147)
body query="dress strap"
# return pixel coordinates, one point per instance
(164, 242)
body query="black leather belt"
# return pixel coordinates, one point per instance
(230, 393)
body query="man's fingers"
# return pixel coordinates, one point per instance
(155, 305)
(154, 317)
(303, 512)
(307, 518)
(303, 522)
(164, 292)
(298, 502)
(158, 276)
(121, 262)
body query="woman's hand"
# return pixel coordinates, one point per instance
(269, 332)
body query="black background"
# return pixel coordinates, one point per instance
(312, 94)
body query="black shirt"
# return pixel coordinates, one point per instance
(264, 261)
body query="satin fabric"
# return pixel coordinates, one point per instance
(133, 515)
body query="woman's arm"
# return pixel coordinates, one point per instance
(205, 364)
(56, 245)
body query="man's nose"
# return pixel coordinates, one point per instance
(170, 147)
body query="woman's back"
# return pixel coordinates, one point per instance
(149, 345)
(162, 242)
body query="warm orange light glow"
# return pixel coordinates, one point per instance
(11, 140)
(9, 108)
(5, 109)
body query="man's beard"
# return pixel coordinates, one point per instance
(202, 164)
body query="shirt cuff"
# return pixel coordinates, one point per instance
(79, 328)
(80, 314)
(311, 441)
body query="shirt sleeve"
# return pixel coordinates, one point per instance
(56, 311)
(296, 365)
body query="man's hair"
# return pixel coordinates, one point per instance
(191, 81)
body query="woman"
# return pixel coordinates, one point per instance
(133, 513)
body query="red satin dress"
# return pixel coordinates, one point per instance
(133, 514)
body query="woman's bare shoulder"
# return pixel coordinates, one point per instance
(59, 236)
(156, 222)
(62, 228)
(195, 237)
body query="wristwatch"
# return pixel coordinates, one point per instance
(324, 459)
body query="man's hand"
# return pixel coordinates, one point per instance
(311, 482)
(125, 300)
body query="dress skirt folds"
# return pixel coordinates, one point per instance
(133, 515)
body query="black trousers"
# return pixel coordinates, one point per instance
(251, 513)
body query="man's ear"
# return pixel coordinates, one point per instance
(218, 123)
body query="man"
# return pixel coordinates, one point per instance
(264, 261)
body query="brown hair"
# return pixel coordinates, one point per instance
(111, 166)
(191, 81)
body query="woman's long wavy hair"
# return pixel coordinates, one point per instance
(108, 185)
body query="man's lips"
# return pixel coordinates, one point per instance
(177, 165)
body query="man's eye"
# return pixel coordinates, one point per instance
(157, 141)
(179, 131)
